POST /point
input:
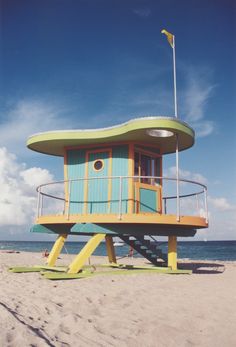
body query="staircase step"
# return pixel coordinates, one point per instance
(146, 247)
(149, 251)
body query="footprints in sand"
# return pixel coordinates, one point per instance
(64, 329)
(89, 300)
(47, 310)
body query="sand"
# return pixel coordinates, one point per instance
(135, 310)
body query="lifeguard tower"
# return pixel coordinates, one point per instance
(114, 187)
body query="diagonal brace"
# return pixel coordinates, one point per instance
(110, 249)
(85, 253)
(56, 249)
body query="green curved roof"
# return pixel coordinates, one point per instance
(54, 142)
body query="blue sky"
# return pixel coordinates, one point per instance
(88, 64)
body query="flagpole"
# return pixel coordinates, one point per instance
(177, 179)
(177, 137)
(171, 40)
(174, 69)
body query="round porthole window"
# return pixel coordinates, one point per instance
(98, 165)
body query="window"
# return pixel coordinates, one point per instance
(147, 165)
(98, 165)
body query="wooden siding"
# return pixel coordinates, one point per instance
(119, 168)
(76, 168)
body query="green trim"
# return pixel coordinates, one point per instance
(37, 268)
(91, 228)
(59, 273)
(64, 275)
(56, 228)
(39, 228)
(54, 142)
(20, 269)
(127, 271)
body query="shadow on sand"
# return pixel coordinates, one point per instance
(202, 267)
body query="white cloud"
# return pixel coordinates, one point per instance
(204, 128)
(142, 12)
(26, 118)
(18, 198)
(222, 219)
(221, 204)
(192, 201)
(185, 174)
(195, 99)
(34, 176)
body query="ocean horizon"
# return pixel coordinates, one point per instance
(196, 250)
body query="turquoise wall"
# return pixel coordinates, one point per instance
(119, 168)
(97, 190)
(97, 201)
(76, 169)
(148, 200)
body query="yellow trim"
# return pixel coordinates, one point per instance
(172, 252)
(110, 249)
(139, 163)
(110, 180)
(66, 180)
(56, 249)
(134, 218)
(85, 253)
(65, 165)
(154, 156)
(161, 182)
(86, 183)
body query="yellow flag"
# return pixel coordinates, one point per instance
(169, 36)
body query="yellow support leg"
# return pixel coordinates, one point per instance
(110, 249)
(85, 253)
(172, 252)
(56, 249)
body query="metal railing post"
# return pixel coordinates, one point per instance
(165, 206)
(206, 204)
(197, 200)
(41, 204)
(68, 205)
(177, 179)
(38, 202)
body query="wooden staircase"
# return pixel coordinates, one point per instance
(149, 249)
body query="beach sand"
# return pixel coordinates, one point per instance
(125, 310)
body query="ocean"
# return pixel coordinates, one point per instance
(198, 250)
